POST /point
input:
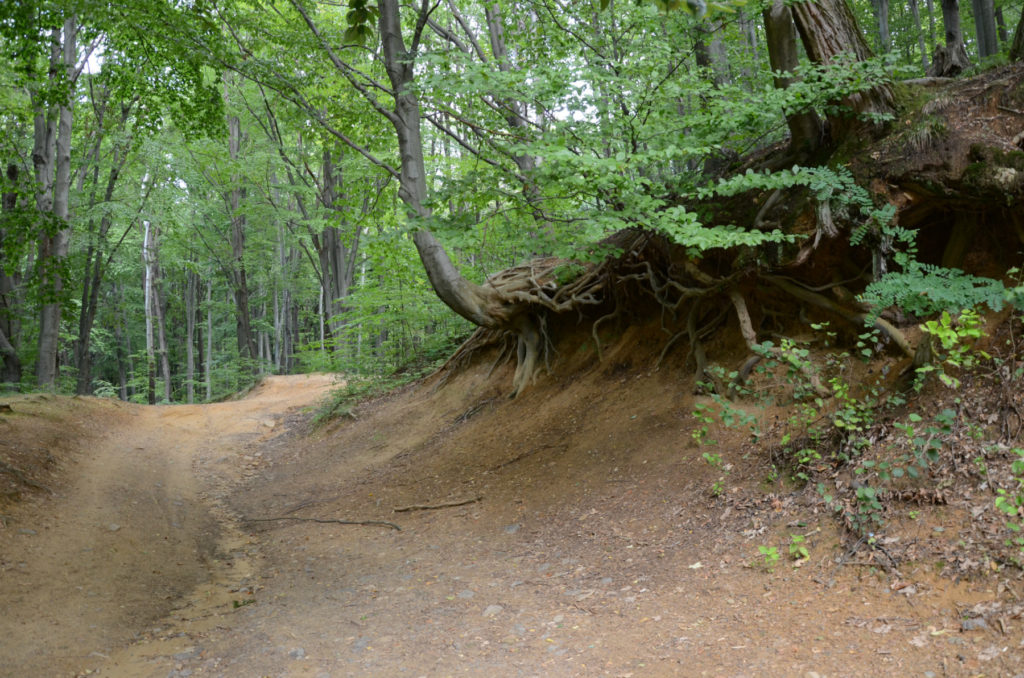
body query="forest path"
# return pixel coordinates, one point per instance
(136, 546)
(568, 532)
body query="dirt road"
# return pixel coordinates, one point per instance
(569, 532)
(136, 534)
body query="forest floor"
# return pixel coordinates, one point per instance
(568, 532)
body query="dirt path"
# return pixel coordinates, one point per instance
(135, 534)
(566, 533)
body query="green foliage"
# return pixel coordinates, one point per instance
(769, 557)
(798, 547)
(1011, 502)
(953, 344)
(924, 289)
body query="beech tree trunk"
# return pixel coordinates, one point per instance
(881, 10)
(335, 252)
(209, 340)
(51, 156)
(829, 30)
(951, 59)
(806, 132)
(985, 27)
(147, 258)
(915, 11)
(1017, 48)
(518, 122)
(161, 325)
(10, 291)
(477, 304)
(239, 283)
(191, 308)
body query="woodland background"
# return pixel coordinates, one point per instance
(197, 192)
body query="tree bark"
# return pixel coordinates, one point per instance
(915, 12)
(477, 304)
(147, 258)
(985, 27)
(10, 286)
(951, 59)
(51, 156)
(881, 10)
(191, 307)
(829, 30)
(209, 340)
(806, 132)
(159, 308)
(1001, 25)
(1017, 48)
(516, 117)
(239, 283)
(337, 259)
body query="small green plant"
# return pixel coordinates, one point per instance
(953, 345)
(769, 557)
(869, 510)
(714, 460)
(705, 416)
(1011, 502)
(798, 547)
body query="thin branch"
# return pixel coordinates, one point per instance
(383, 523)
(469, 33)
(430, 507)
(346, 69)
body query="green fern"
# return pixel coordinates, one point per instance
(924, 289)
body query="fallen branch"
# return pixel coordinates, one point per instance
(324, 520)
(429, 507)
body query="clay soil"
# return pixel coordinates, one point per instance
(568, 532)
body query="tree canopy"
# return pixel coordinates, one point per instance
(196, 193)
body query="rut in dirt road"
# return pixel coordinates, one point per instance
(132, 533)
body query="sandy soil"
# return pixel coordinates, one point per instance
(569, 532)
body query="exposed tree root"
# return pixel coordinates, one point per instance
(647, 265)
(750, 337)
(855, 317)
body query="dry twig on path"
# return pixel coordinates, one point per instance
(428, 507)
(324, 520)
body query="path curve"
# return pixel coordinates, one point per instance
(137, 544)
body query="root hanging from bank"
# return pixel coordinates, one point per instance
(646, 269)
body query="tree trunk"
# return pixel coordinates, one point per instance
(147, 258)
(915, 11)
(516, 117)
(951, 59)
(477, 304)
(1017, 48)
(930, 5)
(161, 324)
(51, 156)
(191, 303)
(828, 30)
(985, 27)
(1001, 26)
(124, 345)
(881, 10)
(337, 261)
(209, 340)
(806, 132)
(246, 339)
(94, 270)
(10, 289)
